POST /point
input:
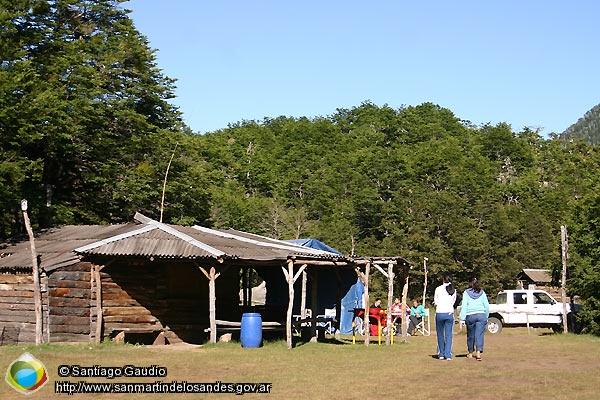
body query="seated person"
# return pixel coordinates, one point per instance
(397, 315)
(376, 316)
(377, 303)
(417, 312)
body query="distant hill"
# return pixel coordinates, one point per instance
(587, 128)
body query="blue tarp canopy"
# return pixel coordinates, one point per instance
(314, 244)
(353, 297)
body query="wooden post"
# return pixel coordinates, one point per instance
(245, 287)
(37, 293)
(390, 274)
(249, 287)
(314, 299)
(99, 313)
(366, 304)
(212, 300)
(404, 295)
(425, 259)
(565, 256)
(289, 276)
(303, 298)
(338, 306)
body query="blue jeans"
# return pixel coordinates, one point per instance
(444, 323)
(475, 331)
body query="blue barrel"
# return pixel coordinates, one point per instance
(251, 332)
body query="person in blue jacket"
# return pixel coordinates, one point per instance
(417, 312)
(475, 310)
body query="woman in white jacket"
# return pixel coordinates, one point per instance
(444, 299)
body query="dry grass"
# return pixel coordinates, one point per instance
(516, 365)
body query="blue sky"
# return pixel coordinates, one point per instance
(525, 62)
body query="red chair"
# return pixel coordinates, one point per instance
(377, 319)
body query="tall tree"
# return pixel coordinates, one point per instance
(88, 128)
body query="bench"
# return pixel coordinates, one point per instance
(232, 326)
(307, 327)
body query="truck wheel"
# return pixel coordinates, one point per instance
(494, 325)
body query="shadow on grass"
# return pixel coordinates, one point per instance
(298, 341)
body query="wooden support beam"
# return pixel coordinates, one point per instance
(366, 304)
(289, 277)
(338, 305)
(303, 296)
(314, 300)
(404, 295)
(212, 275)
(380, 269)
(99, 313)
(390, 276)
(245, 285)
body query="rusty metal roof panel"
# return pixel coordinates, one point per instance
(151, 241)
(63, 246)
(538, 275)
(55, 246)
(141, 246)
(246, 245)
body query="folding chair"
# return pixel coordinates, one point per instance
(297, 317)
(424, 326)
(330, 313)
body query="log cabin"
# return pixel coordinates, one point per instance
(160, 283)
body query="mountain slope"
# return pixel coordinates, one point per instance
(587, 128)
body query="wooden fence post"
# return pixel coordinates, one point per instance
(37, 293)
(565, 255)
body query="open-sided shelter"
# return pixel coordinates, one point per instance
(156, 280)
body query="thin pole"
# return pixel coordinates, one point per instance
(37, 293)
(565, 255)
(425, 259)
(162, 201)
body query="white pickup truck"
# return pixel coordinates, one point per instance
(534, 308)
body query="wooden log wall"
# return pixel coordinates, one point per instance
(135, 298)
(70, 298)
(167, 297)
(17, 312)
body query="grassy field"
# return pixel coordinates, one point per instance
(517, 364)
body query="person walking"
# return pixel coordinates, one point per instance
(474, 312)
(444, 299)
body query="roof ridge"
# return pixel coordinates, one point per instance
(115, 238)
(280, 244)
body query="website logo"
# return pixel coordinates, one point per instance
(26, 374)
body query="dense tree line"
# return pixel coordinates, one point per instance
(87, 132)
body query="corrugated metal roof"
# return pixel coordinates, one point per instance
(538, 275)
(55, 246)
(63, 246)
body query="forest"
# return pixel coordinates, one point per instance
(87, 132)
